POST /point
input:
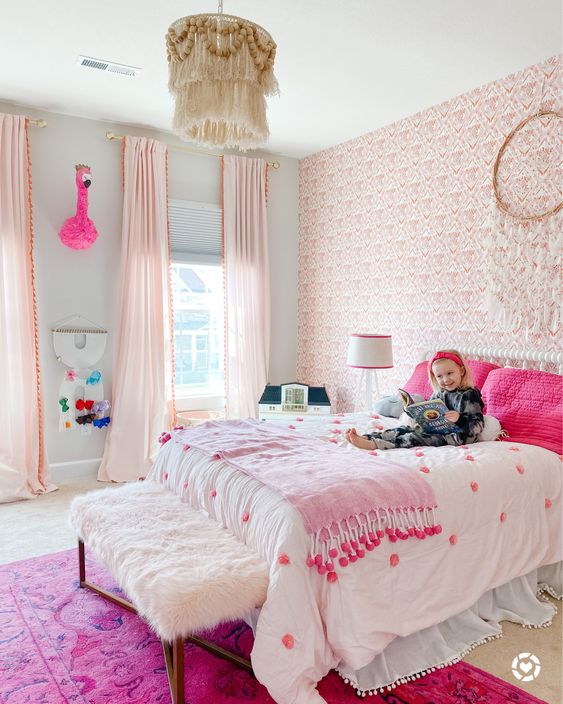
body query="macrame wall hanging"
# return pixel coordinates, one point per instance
(81, 393)
(524, 244)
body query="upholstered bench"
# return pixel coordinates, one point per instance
(182, 572)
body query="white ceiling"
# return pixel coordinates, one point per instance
(345, 68)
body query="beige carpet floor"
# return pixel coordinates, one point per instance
(39, 526)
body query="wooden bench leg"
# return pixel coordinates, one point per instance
(174, 657)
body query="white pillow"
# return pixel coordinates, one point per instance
(491, 430)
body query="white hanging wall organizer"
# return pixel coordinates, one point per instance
(79, 344)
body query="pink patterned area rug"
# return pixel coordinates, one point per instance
(60, 643)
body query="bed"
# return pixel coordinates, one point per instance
(409, 605)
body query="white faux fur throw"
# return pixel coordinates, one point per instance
(182, 571)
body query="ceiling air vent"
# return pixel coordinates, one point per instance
(108, 66)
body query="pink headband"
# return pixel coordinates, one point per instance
(445, 355)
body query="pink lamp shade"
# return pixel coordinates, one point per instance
(370, 351)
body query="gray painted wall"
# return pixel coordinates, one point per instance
(84, 282)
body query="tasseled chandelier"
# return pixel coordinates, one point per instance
(221, 70)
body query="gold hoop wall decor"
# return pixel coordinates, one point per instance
(523, 249)
(500, 203)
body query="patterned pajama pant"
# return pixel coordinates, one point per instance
(405, 436)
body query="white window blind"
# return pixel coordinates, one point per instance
(195, 232)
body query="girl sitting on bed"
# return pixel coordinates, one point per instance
(451, 380)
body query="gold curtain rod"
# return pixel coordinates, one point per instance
(112, 136)
(37, 123)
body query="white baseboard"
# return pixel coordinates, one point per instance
(78, 469)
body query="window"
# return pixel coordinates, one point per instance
(198, 300)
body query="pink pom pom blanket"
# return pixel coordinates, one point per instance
(347, 508)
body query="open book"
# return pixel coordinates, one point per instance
(429, 415)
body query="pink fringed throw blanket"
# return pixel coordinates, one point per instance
(348, 501)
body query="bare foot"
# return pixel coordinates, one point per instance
(359, 441)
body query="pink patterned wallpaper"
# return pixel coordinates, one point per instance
(393, 226)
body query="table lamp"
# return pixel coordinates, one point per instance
(368, 353)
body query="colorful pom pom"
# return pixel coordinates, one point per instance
(332, 577)
(343, 561)
(289, 641)
(453, 539)
(469, 458)
(283, 559)
(394, 560)
(474, 486)
(519, 469)
(333, 552)
(310, 561)
(245, 517)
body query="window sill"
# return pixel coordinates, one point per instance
(196, 417)
(200, 403)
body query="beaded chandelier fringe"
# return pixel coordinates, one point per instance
(221, 70)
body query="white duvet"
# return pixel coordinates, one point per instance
(499, 504)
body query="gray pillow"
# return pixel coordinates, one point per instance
(392, 406)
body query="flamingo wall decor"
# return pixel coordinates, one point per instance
(79, 232)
